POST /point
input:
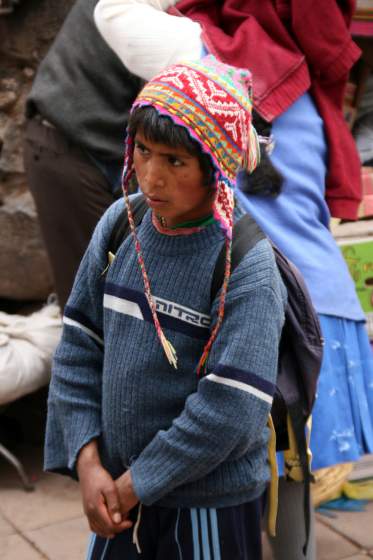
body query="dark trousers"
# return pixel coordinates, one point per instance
(70, 194)
(231, 533)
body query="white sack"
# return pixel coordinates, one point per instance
(27, 344)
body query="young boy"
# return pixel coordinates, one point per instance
(159, 397)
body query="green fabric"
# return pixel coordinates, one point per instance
(206, 221)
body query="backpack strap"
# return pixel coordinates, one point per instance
(246, 234)
(122, 228)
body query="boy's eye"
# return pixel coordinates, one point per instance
(175, 161)
(141, 148)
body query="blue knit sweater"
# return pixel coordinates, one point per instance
(189, 441)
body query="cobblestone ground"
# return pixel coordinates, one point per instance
(48, 523)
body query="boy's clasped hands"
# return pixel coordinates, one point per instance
(106, 502)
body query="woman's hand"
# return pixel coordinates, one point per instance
(101, 502)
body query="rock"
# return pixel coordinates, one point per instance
(24, 39)
(4, 120)
(28, 72)
(25, 271)
(7, 99)
(9, 84)
(11, 158)
(31, 29)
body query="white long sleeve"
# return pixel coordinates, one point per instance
(145, 38)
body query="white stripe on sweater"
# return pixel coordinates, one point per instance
(73, 323)
(124, 306)
(239, 385)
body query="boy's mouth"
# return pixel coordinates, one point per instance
(154, 202)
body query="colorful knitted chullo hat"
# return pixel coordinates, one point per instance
(213, 102)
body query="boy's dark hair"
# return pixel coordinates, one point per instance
(160, 129)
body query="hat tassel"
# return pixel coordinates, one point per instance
(169, 350)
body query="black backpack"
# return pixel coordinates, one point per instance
(300, 352)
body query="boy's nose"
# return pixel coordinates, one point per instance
(155, 176)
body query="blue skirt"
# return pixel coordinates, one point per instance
(342, 419)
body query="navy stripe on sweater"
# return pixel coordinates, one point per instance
(171, 315)
(76, 318)
(244, 380)
(246, 377)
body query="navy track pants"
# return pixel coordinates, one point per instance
(231, 533)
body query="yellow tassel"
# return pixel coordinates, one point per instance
(273, 486)
(293, 467)
(110, 258)
(169, 351)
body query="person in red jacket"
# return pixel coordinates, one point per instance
(291, 47)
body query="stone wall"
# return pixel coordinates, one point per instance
(25, 36)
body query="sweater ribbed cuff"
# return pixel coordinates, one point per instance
(84, 428)
(151, 481)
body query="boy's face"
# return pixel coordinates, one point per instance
(172, 182)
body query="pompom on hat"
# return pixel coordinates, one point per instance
(213, 102)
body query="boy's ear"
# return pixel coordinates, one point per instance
(265, 180)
